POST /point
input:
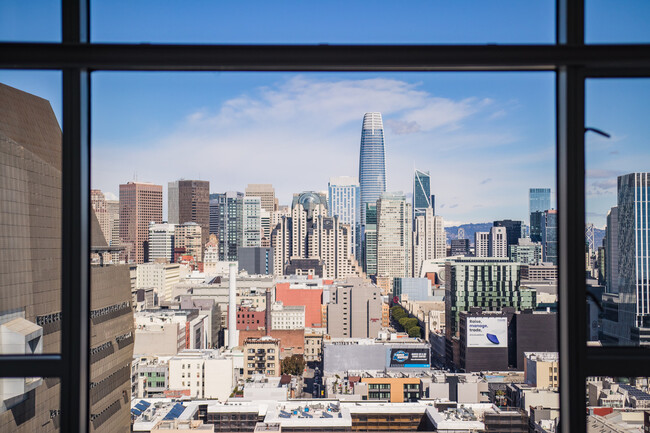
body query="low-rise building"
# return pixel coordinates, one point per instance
(541, 369)
(262, 356)
(287, 316)
(205, 373)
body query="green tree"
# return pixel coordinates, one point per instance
(414, 331)
(293, 365)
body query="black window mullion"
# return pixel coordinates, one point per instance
(571, 280)
(75, 266)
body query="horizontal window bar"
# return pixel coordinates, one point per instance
(31, 366)
(617, 361)
(320, 57)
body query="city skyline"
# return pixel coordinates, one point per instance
(457, 200)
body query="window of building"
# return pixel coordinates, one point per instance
(569, 59)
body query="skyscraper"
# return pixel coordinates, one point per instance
(310, 235)
(498, 244)
(513, 230)
(633, 253)
(429, 239)
(539, 199)
(344, 202)
(372, 165)
(549, 236)
(611, 251)
(251, 222)
(265, 192)
(189, 201)
(370, 240)
(140, 204)
(226, 210)
(422, 198)
(394, 236)
(482, 244)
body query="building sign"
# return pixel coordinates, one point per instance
(487, 332)
(409, 358)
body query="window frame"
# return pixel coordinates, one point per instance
(571, 60)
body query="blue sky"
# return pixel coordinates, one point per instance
(486, 138)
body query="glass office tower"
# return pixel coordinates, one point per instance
(421, 192)
(633, 253)
(372, 165)
(539, 199)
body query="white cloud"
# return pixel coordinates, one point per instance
(301, 131)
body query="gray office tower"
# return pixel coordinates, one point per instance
(255, 260)
(611, 251)
(459, 247)
(513, 230)
(536, 226)
(549, 236)
(372, 164)
(422, 198)
(633, 253)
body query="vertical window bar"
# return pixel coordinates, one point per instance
(570, 100)
(571, 205)
(75, 269)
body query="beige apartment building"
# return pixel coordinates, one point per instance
(189, 236)
(262, 356)
(394, 236)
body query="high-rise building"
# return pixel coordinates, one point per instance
(422, 198)
(251, 222)
(172, 203)
(140, 204)
(611, 251)
(113, 210)
(226, 211)
(189, 201)
(429, 238)
(513, 230)
(549, 236)
(161, 242)
(310, 238)
(498, 243)
(482, 244)
(98, 203)
(344, 202)
(536, 226)
(372, 165)
(370, 240)
(30, 286)
(394, 236)
(633, 253)
(459, 247)
(265, 192)
(189, 236)
(539, 199)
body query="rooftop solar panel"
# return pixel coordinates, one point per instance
(175, 412)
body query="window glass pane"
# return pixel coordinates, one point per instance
(30, 404)
(479, 141)
(617, 183)
(30, 205)
(611, 21)
(32, 21)
(617, 403)
(333, 21)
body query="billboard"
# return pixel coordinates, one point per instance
(487, 332)
(409, 358)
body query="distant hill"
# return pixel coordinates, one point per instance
(470, 229)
